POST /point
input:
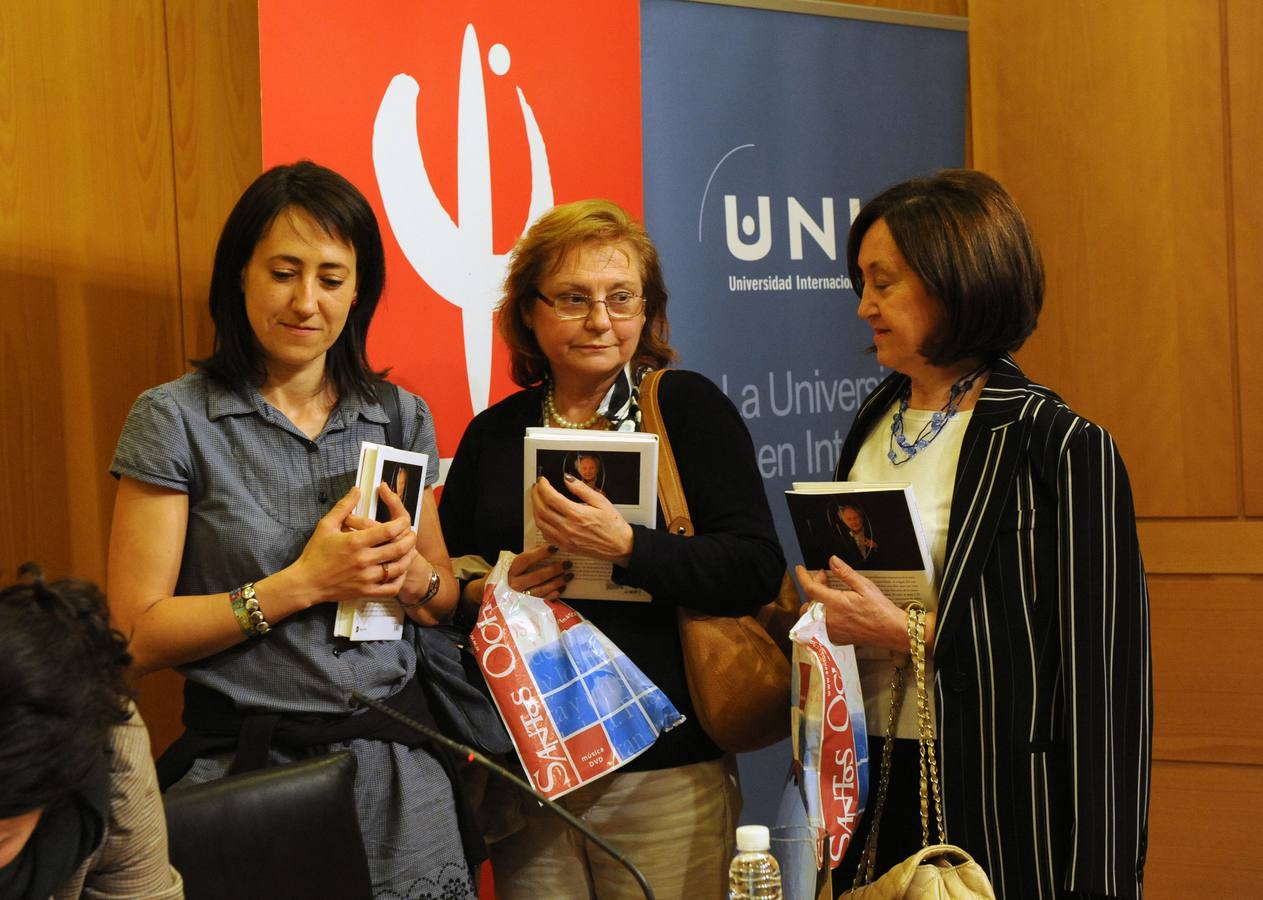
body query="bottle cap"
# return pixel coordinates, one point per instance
(752, 838)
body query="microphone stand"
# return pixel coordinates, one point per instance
(473, 755)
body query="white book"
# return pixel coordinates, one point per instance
(623, 465)
(371, 619)
(873, 527)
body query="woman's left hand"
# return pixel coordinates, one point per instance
(593, 527)
(417, 576)
(860, 615)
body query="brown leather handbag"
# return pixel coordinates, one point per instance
(737, 666)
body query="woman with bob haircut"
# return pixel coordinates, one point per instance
(235, 533)
(584, 313)
(80, 812)
(1039, 634)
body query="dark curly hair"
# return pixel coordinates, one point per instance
(64, 687)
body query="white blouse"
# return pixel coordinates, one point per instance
(932, 473)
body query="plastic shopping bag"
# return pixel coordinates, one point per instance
(575, 706)
(829, 734)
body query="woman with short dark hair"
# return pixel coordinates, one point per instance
(584, 313)
(235, 534)
(964, 238)
(1038, 637)
(80, 811)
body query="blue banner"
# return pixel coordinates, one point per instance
(764, 132)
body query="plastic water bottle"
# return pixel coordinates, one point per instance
(754, 874)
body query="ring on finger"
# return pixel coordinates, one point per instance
(385, 573)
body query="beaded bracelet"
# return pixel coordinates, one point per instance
(245, 606)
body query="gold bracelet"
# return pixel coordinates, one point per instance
(245, 606)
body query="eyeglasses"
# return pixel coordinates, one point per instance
(618, 305)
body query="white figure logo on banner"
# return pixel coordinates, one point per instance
(458, 262)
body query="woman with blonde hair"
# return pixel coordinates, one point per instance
(584, 315)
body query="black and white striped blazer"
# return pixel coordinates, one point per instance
(1042, 680)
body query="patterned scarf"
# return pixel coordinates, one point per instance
(621, 403)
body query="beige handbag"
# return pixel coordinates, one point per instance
(937, 871)
(737, 666)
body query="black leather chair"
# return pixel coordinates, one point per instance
(285, 831)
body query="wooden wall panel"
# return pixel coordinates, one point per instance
(1244, 33)
(1128, 132)
(87, 248)
(126, 133)
(1207, 669)
(933, 7)
(213, 61)
(1207, 546)
(1106, 122)
(1203, 823)
(218, 143)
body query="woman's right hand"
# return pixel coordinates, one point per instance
(147, 537)
(342, 561)
(531, 572)
(860, 614)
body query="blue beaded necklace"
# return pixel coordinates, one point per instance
(937, 422)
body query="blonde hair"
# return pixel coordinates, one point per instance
(543, 248)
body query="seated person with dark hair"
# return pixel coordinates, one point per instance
(80, 812)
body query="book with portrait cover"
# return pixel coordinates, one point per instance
(872, 527)
(370, 619)
(622, 465)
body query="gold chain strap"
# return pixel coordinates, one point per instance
(925, 729)
(928, 762)
(868, 859)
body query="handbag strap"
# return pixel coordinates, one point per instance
(670, 490)
(925, 727)
(928, 763)
(864, 872)
(388, 397)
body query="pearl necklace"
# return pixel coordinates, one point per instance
(550, 410)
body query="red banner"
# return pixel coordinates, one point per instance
(460, 122)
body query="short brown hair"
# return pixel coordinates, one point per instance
(965, 237)
(544, 246)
